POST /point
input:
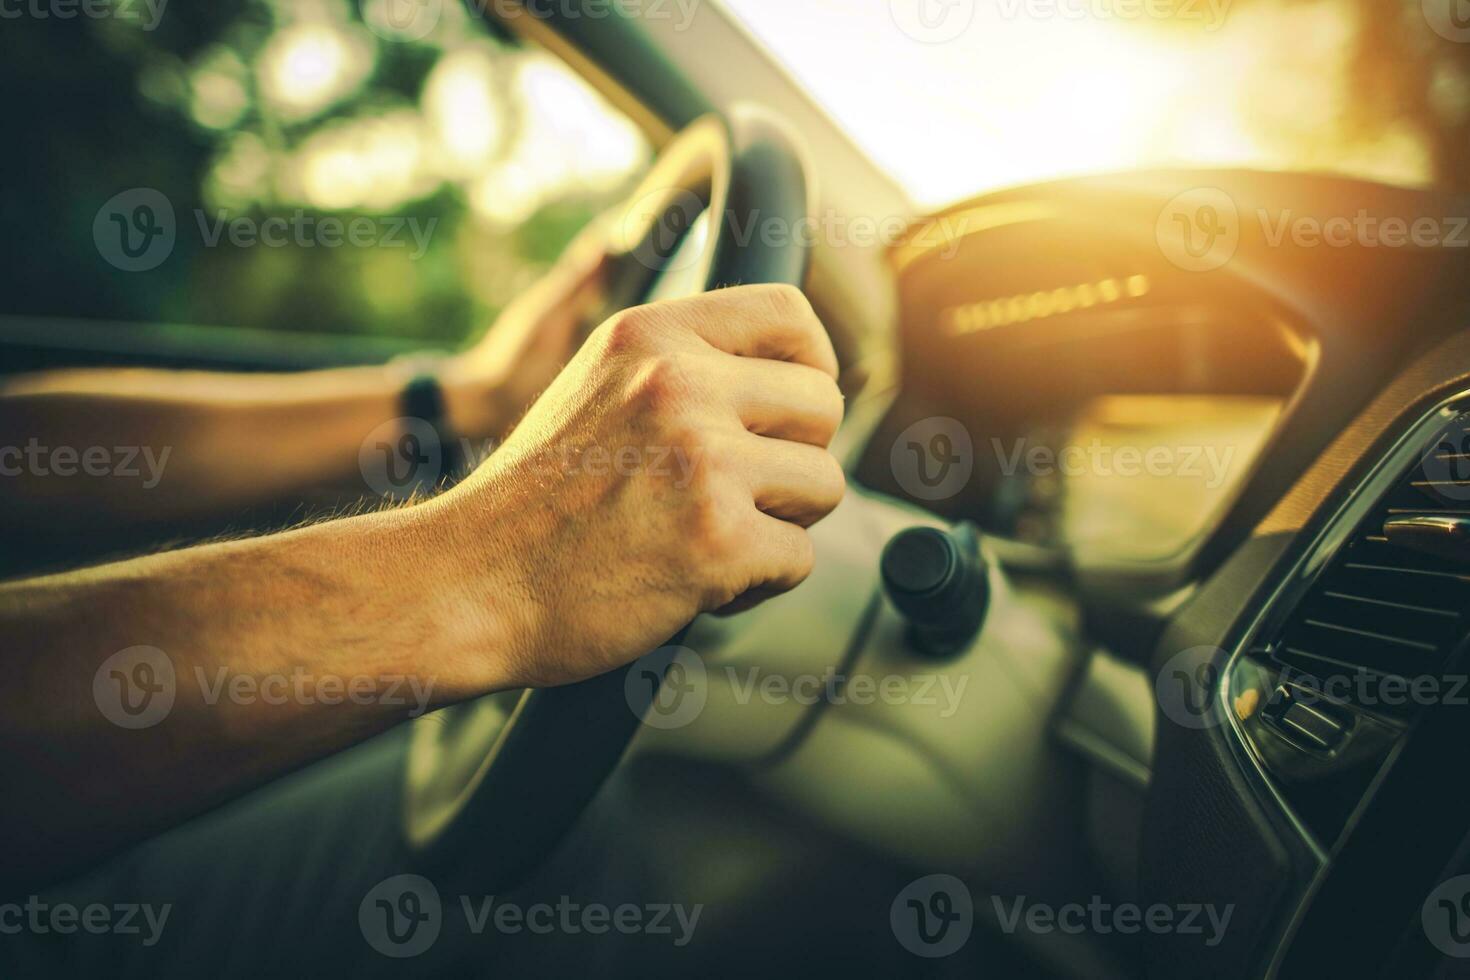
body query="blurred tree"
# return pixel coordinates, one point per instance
(293, 109)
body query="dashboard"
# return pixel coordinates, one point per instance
(1110, 408)
(1055, 356)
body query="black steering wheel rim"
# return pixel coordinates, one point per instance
(507, 793)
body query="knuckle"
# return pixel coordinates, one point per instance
(659, 382)
(799, 560)
(833, 407)
(629, 330)
(793, 309)
(691, 444)
(833, 479)
(788, 299)
(690, 470)
(804, 557)
(710, 530)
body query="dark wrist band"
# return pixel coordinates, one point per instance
(423, 399)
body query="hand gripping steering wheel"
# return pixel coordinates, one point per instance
(507, 791)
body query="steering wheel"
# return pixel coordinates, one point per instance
(508, 791)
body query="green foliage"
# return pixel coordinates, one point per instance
(230, 109)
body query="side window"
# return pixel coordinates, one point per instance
(307, 165)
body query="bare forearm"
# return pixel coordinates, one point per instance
(118, 446)
(534, 571)
(137, 694)
(111, 446)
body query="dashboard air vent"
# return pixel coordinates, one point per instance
(1394, 601)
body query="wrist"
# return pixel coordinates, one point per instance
(466, 591)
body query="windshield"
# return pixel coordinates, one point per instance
(956, 97)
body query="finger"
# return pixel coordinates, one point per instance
(748, 600)
(770, 321)
(785, 559)
(793, 481)
(787, 401)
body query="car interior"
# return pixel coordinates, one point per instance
(1155, 494)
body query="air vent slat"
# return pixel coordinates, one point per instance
(1383, 554)
(1343, 596)
(1382, 609)
(1391, 586)
(1370, 635)
(1363, 567)
(1381, 658)
(1294, 652)
(1394, 615)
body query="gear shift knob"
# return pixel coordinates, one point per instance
(940, 583)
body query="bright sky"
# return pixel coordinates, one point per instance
(954, 97)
